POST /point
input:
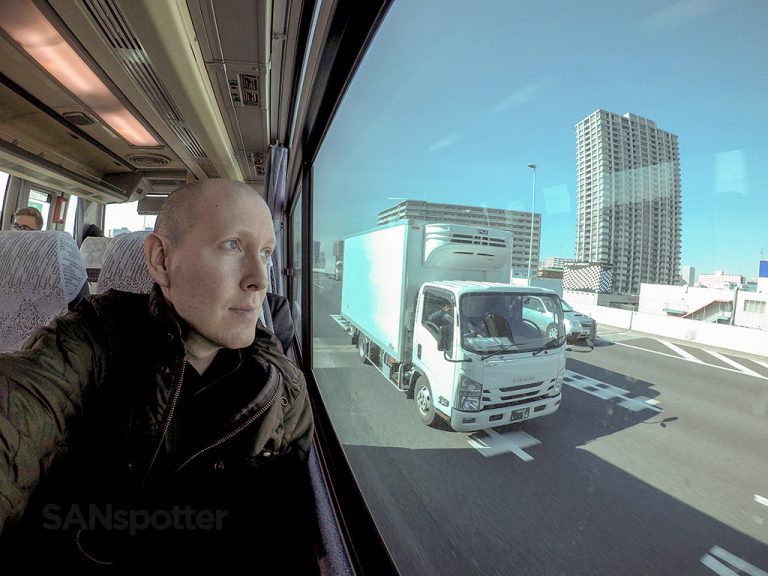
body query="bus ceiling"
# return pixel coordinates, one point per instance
(128, 98)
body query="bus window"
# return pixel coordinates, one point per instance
(296, 262)
(516, 146)
(69, 220)
(41, 201)
(124, 218)
(3, 186)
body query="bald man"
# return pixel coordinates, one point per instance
(167, 427)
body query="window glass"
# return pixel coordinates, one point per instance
(123, 218)
(3, 186)
(69, 220)
(615, 154)
(41, 201)
(296, 263)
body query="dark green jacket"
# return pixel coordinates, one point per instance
(93, 411)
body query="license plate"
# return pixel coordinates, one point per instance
(521, 414)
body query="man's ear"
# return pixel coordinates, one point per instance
(156, 256)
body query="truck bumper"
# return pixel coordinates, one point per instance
(475, 421)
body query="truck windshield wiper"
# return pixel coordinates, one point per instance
(551, 344)
(497, 352)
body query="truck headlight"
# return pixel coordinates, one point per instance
(558, 383)
(470, 393)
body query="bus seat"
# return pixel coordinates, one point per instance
(124, 267)
(41, 275)
(92, 250)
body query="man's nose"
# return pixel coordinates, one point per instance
(255, 273)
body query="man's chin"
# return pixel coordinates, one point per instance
(240, 339)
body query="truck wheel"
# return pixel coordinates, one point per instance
(362, 349)
(551, 332)
(422, 394)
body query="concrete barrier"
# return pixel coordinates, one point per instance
(747, 340)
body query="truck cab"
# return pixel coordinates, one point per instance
(479, 361)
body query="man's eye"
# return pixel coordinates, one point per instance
(266, 256)
(231, 245)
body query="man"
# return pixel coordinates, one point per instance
(442, 316)
(164, 428)
(28, 218)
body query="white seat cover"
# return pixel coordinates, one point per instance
(41, 272)
(124, 266)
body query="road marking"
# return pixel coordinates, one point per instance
(761, 500)
(676, 357)
(733, 363)
(763, 364)
(497, 443)
(719, 567)
(678, 350)
(608, 392)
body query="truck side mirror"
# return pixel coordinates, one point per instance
(444, 338)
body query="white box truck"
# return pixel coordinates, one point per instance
(430, 306)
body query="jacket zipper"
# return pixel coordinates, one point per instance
(236, 431)
(167, 422)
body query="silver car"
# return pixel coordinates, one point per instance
(577, 325)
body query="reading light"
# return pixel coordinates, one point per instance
(28, 26)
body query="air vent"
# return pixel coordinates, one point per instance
(255, 158)
(149, 160)
(114, 27)
(78, 118)
(165, 182)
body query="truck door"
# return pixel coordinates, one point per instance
(438, 309)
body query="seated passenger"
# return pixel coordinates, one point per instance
(27, 218)
(163, 429)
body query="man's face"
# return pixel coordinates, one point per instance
(218, 276)
(25, 222)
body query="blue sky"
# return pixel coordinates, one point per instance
(455, 98)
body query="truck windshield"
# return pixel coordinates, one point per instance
(514, 322)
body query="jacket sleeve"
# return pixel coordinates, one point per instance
(42, 390)
(299, 425)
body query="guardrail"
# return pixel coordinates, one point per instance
(750, 340)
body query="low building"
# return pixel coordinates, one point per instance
(594, 277)
(720, 280)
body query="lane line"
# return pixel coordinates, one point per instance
(607, 392)
(761, 500)
(497, 443)
(676, 357)
(717, 567)
(763, 364)
(678, 350)
(741, 565)
(733, 363)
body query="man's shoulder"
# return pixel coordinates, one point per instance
(116, 302)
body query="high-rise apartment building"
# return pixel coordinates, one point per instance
(628, 199)
(516, 222)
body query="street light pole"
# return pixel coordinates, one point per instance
(533, 206)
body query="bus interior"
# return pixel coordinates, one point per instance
(107, 106)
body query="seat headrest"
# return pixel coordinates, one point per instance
(93, 249)
(124, 267)
(41, 272)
